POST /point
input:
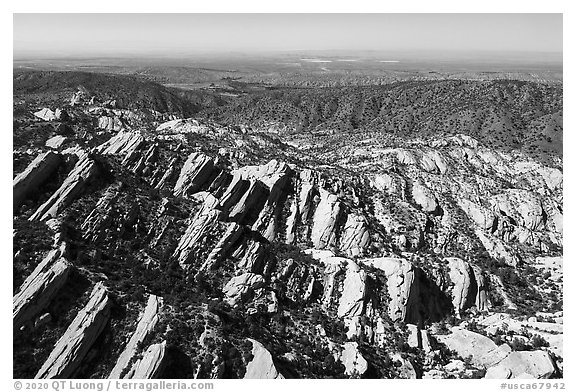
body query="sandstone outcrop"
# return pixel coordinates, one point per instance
(241, 286)
(196, 174)
(151, 365)
(56, 142)
(123, 143)
(424, 197)
(146, 324)
(73, 346)
(517, 364)
(37, 172)
(40, 287)
(353, 360)
(352, 299)
(72, 186)
(204, 222)
(45, 114)
(325, 220)
(465, 286)
(482, 350)
(355, 235)
(261, 366)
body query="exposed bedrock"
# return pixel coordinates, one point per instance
(325, 220)
(40, 287)
(146, 324)
(72, 347)
(413, 296)
(261, 366)
(151, 365)
(123, 143)
(72, 186)
(37, 172)
(197, 174)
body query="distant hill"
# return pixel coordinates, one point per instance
(506, 114)
(130, 92)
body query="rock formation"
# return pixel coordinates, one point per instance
(261, 366)
(73, 346)
(40, 287)
(37, 172)
(72, 186)
(145, 326)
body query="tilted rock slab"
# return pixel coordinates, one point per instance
(196, 174)
(45, 114)
(524, 206)
(204, 222)
(100, 217)
(122, 143)
(40, 287)
(262, 365)
(110, 123)
(424, 197)
(352, 299)
(223, 247)
(325, 220)
(402, 287)
(275, 175)
(355, 236)
(56, 142)
(353, 360)
(465, 287)
(37, 172)
(483, 350)
(73, 346)
(72, 186)
(483, 217)
(537, 364)
(146, 325)
(240, 286)
(152, 363)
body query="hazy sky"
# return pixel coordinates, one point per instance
(113, 34)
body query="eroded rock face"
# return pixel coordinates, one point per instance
(242, 285)
(352, 299)
(401, 288)
(72, 186)
(56, 142)
(433, 162)
(325, 220)
(518, 364)
(183, 126)
(353, 360)
(482, 350)
(152, 363)
(73, 346)
(465, 286)
(45, 114)
(204, 222)
(110, 123)
(524, 206)
(262, 365)
(146, 324)
(424, 197)
(196, 174)
(355, 236)
(123, 143)
(483, 217)
(40, 287)
(37, 172)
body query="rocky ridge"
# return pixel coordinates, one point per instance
(357, 257)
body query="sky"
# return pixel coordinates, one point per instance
(62, 35)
